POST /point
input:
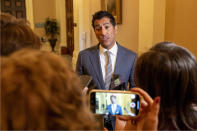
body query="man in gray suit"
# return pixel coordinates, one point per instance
(107, 59)
(94, 61)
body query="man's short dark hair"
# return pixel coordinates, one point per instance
(100, 14)
(112, 96)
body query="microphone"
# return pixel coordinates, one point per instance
(117, 83)
(85, 80)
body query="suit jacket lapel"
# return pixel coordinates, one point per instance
(119, 60)
(95, 60)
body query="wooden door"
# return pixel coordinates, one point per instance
(14, 7)
(70, 26)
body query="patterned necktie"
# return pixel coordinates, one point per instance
(108, 75)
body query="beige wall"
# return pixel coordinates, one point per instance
(159, 21)
(181, 23)
(41, 10)
(151, 23)
(128, 30)
(146, 26)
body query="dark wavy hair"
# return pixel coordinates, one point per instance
(101, 14)
(16, 34)
(40, 92)
(170, 71)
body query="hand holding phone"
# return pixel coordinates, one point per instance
(112, 102)
(148, 115)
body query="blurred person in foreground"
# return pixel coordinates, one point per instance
(16, 34)
(170, 72)
(40, 92)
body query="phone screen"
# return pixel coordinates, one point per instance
(115, 103)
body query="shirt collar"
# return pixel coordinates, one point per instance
(113, 50)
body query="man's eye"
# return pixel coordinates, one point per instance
(106, 27)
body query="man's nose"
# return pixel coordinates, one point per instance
(103, 31)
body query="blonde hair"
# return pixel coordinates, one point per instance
(39, 91)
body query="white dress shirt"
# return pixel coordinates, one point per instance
(103, 58)
(114, 108)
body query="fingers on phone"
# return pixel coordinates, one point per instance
(144, 94)
(124, 118)
(85, 90)
(143, 103)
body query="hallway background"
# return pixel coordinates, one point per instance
(144, 23)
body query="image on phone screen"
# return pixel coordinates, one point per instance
(115, 103)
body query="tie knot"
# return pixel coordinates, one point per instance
(108, 53)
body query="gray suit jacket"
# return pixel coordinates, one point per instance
(88, 63)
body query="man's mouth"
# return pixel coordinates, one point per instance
(104, 38)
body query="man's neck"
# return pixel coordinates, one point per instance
(103, 49)
(108, 48)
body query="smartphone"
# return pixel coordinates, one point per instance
(113, 102)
